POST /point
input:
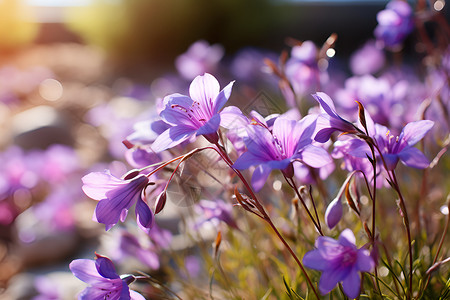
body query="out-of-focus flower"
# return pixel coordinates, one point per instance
(367, 60)
(394, 23)
(333, 214)
(215, 212)
(302, 69)
(340, 261)
(103, 279)
(198, 114)
(116, 196)
(200, 58)
(288, 141)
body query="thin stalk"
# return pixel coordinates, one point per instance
(266, 217)
(316, 223)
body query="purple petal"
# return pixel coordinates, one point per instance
(415, 131)
(175, 112)
(210, 126)
(106, 212)
(333, 214)
(352, 284)
(330, 278)
(259, 177)
(97, 184)
(172, 137)
(136, 296)
(205, 89)
(315, 156)
(231, 117)
(248, 159)
(391, 160)
(288, 134)
(144, 215)
(223, 97)
(314, 260)
(105, 267)
(85, 270)
(364, 261)
(93, 293)
(347, 238)
(327, 104)
(412, 157)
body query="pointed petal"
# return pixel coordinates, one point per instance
(327, 104)
(352, 284)
(259, 177)
(347, 238)
(210, 126)
(391, 160)
(144, 215)
(223, 97)
(412, 157)
(204, 89)
(246, 160)
(172, 137)
(105, 267)
(415, 131)
(314, 260)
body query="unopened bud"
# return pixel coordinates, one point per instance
(160, 202)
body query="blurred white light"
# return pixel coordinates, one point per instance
(444, 210)
(331, 52)
(439, 5)
(277, 185)
(51, 89)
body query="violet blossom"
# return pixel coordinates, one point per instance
(288, 141)
(103, 279)
(369, 59)
(196, 115)
(116, 196)
(340, 261)
(214, 212)
(395, 23)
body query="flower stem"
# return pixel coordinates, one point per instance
(266, 217)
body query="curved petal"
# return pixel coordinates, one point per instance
(288, 134)
(107, 213)
(314, 260)
(105, 267)
(136, 296)
(391, 160)
(144, 215)
(232, 117)
(210, 126)
(97, 184)
(330, 278)
(172, 137)
(204, 89)
(259, 177)
(246, 160)
(352, 284)
(415, 131)
(412, 157)
(327, 104)
(347, 238)
(315, 156)
(364, 261)
(85, 270)
(223, 97)
(176, 110)
(333, 214)
(92, 293)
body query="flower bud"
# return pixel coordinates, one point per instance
(333, 214)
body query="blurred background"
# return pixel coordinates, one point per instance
(75, 75)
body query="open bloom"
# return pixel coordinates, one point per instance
(116, 196)
(288, 141)
(103, 279)
(340, 261)
(395, 148)
(194, 115)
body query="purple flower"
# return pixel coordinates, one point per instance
(103, 279)
(395, 148)
(340, 261)
(394, 23)
(194, 115)
(214, 212)
(288, 141)
(367, 60)
(116, 196)
(330, 121)
(199, 59)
